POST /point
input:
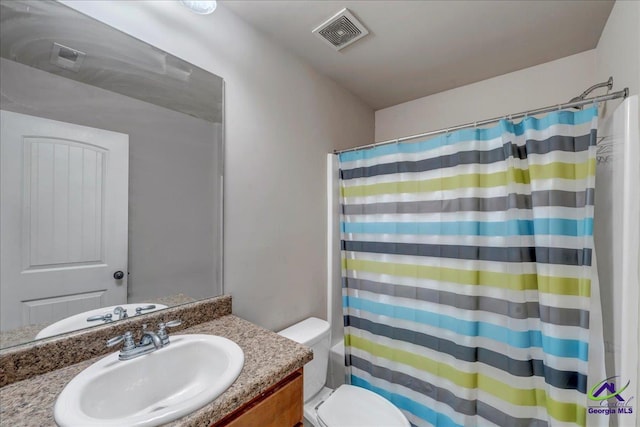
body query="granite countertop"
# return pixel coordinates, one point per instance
(269, 358)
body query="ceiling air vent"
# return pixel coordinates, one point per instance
(341, 30)
(67, 57)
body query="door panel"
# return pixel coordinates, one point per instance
(63, 211)
(64, 219)
(41, 311)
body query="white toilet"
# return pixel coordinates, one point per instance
(347, 405)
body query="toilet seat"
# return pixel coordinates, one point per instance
(351, 406)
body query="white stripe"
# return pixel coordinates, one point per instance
(492, 216)
(576, 157)
(541, 212)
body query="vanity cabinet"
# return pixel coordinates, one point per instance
(279, 406)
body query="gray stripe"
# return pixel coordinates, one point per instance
(568, 380)
(566, 199)
(539, 254)
(515, 310)
(439, 394)
(509, 150)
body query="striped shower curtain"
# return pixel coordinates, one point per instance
(467, 266)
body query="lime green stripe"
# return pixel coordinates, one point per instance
(516, 282)
(475, 180)
(563, 170)
(567, 412)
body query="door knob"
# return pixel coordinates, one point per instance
(118, 275)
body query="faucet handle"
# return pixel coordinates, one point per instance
(106, 317)
(169, 324)
(162, 329)
(139, 310)
(115, 340)
(172, 323)
(127, 337)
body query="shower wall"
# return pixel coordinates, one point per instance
(617, 240)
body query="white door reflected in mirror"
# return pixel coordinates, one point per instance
(64, 230)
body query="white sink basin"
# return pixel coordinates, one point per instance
(79, 321)
(153, 389)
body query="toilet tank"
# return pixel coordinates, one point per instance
(314, 333)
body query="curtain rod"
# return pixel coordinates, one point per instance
(614, 95)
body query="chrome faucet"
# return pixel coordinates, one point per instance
(149, 342)
(120, 312)
(148, 338)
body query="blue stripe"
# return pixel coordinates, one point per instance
(516, 227)
(520, 339)
(407, 404)
(504, 126)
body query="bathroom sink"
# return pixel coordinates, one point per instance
(153, 389)
(79, 321)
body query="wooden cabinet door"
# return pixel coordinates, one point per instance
(280, 406)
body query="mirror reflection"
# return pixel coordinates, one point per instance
(111, 174)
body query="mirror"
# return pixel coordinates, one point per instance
(111, 174)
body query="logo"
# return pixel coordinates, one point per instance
(609, 398)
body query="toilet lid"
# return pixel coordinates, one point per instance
(351, 406)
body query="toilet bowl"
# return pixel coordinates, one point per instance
(347, 405)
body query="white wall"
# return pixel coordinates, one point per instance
(282, 117)
(618, 51)
(551, 83)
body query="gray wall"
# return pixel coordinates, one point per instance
(173, 216)
(282, 118)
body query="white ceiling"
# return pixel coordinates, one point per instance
(418, 48)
